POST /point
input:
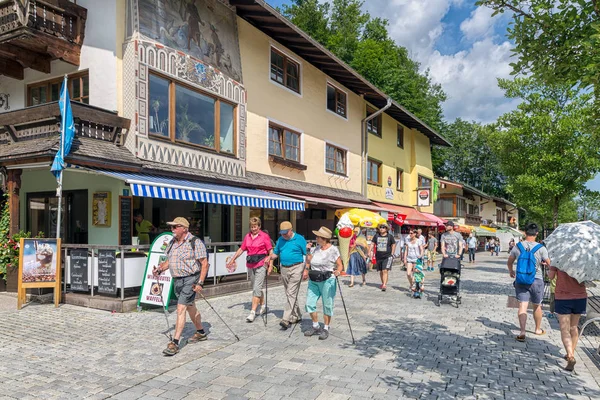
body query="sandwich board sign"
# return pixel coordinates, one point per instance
(156, 290)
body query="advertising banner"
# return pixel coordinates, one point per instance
(156, 290)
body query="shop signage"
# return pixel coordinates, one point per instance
(424, 197)
(101, 209)
(389, 181)
(39, 267)
(79, 270)
(4, 101)
(125, 220)
(107, 272)
(398, 219)
(389, 193)
(156, 290)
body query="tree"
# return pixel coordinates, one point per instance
(312, 16)
(546, 146)
(588, 204)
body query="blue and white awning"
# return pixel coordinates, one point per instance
(162, 187)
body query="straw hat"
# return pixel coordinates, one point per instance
(179, 221)
(323, 232)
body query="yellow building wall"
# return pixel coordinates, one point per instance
(414, 159)
(306, 113)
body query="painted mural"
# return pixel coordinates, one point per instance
(203, 29)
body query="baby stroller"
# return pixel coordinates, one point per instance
(450, 280)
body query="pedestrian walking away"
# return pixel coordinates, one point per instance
(323, 266)
(291, 250)
(383, 245)
(464, 248)
(432, 245)
(357, 264)
(529, 281)
(257, 244)
(472, 247)
(186, 260)
(414, 251)
(570, 301)
(451, 242)
(492, 246)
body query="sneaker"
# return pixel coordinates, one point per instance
(284, 324)
(171, 349)
(313, 331)
(263, 310)
(251, 316)
(324, 334)
(198, 337)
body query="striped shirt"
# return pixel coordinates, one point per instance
(183, 261)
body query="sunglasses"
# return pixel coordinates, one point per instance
(176, 226)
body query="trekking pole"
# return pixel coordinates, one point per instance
(266, 296)
(346, 311)
(166, 312)
(215, 311)
(294, 307)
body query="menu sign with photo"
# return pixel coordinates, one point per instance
(39, 267)
(156, 290)
(79, 270)
(107, 272)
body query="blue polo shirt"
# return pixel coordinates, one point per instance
(291, 251)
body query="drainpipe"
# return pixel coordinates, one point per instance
(365, 143)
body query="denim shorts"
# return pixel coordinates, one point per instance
(533, 293)
(573, 306)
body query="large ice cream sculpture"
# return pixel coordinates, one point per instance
(345, 229)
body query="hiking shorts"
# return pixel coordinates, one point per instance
(533, 293)
(184, 289)
(385, 264)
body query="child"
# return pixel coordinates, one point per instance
(418, 286)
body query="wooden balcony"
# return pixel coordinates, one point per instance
(35, 32)
(472, 219)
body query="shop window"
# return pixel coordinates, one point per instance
(374, 125)
(335, 160)
(42, 209)
(374, 172)
(48, 91)
(185, 115)
(285, 71)
(424, 182)
(399, 180)
(284, 143)
(400, 137)
(336, 100)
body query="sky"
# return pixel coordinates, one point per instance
(464, 48)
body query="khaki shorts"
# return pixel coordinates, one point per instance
(431, 255)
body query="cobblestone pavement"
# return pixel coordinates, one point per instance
(405, 348)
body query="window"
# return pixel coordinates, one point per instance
(48, 91)
(284, 143)
(374, 125)
(473, 209)
(444, 207)
(461, 207)
(400, 137)
(285, 71)
(424, 182)
(399, 180)
(374, 172)
(182, 114)
(335, 160)
(336, 100)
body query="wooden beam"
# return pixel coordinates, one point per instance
(11, 132)
(28, 59)
(11, 68)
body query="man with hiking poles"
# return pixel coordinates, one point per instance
(188, 266)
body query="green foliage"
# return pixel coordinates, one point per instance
(547, 147)
(588, 205)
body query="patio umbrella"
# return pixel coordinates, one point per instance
(574, 248)
(361, 217)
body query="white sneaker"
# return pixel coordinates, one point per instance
(263, 310)
(251, 316)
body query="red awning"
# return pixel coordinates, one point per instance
(439, 221)
(337, 204)
(413, 217)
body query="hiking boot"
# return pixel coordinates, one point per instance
(251, 316)
(324, 334)
(313, 331)
(171, 349)
(284, 324)
(198, 337)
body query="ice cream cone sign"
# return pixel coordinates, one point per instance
(345, 230)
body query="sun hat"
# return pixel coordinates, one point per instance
(179, 221)
(323, 232)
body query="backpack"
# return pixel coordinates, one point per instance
(526, 264)
(192, 241)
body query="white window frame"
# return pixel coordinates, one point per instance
(336, 86)
(347, 176)
(300, 71)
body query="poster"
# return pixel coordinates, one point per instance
(39, 260)
(156, 290)
(424, 197)
(101, 215)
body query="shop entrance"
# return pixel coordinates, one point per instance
(42, 213)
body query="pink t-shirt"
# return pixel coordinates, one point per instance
(261, 244)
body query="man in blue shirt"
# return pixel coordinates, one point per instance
(291, 250)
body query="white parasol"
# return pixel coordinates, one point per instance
(574, 248)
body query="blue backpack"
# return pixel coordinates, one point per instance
(526, 264)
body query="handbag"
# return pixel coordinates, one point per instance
(255, 258)
(318, 276)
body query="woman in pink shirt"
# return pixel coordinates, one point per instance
(258, 246)
(570, 301)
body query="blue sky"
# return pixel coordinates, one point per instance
(462, 46)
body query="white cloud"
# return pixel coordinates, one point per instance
(468, 77)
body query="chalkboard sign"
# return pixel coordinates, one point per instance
(79, 270)
(107, 272)
(125, 220)
(237, 212)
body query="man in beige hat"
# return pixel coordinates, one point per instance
(188, 266)
(291, 249)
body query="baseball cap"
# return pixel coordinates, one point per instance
(284, 227)
(450, 223)
(179, 221)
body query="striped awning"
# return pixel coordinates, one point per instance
(163, 187)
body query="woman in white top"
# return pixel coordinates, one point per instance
(323, 265)
(413, 251)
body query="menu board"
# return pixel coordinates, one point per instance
(237, 212)
(125, 220)
(79, 270)
(107, 272)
